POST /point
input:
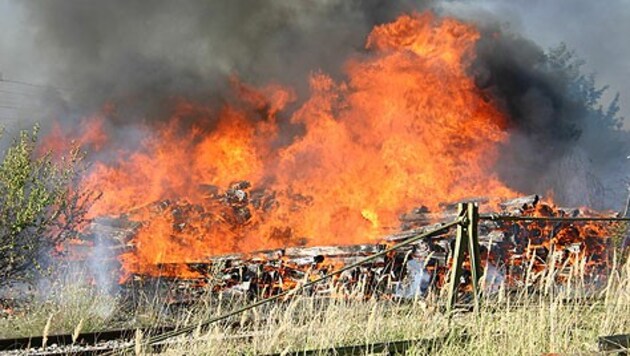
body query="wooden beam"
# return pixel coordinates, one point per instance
(458, 258)
(472, 228)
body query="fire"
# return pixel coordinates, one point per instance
(406, 127)
(90, 133)
(541, 246)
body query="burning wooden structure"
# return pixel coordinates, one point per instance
(512, 253)
(405, 125)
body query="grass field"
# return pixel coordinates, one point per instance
(552, 320)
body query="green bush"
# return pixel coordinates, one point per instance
(40, 206)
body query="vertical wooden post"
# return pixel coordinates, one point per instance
(473, 249)
(467, 239)
(458, 258)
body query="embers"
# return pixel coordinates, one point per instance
(510, 249)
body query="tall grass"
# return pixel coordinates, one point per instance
(59, 306)
(551, 320)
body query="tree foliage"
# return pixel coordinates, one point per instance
(603, 141)
(40, 206)
(582, 87)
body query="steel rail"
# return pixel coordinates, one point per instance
(96, 343)
(83, 339)
(392, 347)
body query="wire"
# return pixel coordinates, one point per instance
(27, 84)
(496, 217)
(190, 328)
(17, 93)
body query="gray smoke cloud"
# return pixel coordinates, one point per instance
(560, 141)
(596, 30)
(104, 50)
(141, 54)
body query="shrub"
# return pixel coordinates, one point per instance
(40, 206)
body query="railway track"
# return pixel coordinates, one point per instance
(92, 343)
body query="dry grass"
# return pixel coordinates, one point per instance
(514, 324)
(62, 307)
(506, 323)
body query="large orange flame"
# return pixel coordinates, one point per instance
(407, 127)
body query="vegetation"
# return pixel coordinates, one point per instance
(38, 207)
(595, 127)
(507, 323)
(582, 89)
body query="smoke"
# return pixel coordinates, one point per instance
(553, 141)
(595, 30)
(564, 141)
(140, 56)
(117, 50)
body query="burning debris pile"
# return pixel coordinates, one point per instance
(324, 178)
(514, 253)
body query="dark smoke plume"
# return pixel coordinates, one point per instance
(140, 54)
(562, 139)
(150, 51)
